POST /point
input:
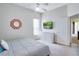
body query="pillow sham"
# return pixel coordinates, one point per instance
(4, 45)
(1, 49)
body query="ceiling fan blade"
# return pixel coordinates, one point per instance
(44, 9)
(37, 4)
(46, 4)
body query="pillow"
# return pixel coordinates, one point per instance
(1, 49)
(4, 45)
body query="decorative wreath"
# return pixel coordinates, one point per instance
(15, 24)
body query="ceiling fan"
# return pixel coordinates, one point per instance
(41, 4)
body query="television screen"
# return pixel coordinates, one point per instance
(48, 25)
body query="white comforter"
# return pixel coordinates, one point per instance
(26, 47)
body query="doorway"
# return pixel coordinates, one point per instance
(74, 29)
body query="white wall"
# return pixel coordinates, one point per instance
(61, 24)
(73, 9)
(10, 11)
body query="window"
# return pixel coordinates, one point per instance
(36, 26)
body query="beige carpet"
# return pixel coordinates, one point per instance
(75, 40)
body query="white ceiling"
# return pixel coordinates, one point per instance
(44, 6)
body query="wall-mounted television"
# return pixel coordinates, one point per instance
(48, 25)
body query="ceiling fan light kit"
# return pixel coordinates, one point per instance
(38, 7)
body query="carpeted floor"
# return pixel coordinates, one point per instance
(60, 50)
(75, 40)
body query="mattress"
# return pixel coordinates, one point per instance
(26, 47)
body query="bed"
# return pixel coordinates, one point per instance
(26, 47)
